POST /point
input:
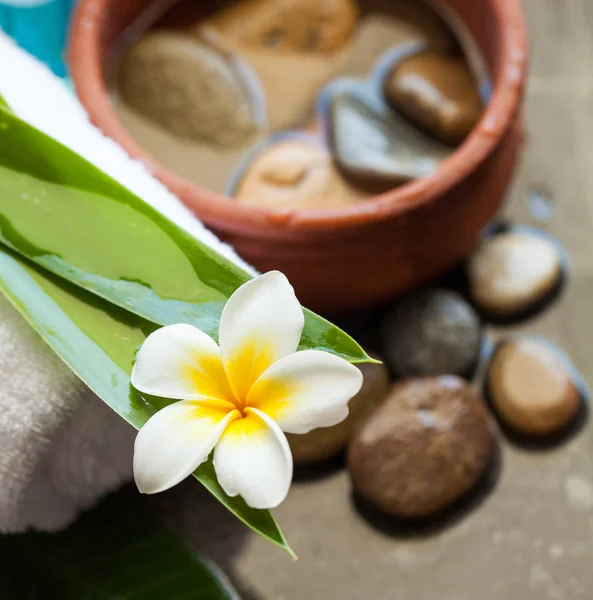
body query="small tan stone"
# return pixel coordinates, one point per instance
(437, 92)
(295, 174)
(425, 446)
(287, 25)
(325, 442)
(532, 388)
(512, 271)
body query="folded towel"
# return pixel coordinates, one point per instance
(61, 448)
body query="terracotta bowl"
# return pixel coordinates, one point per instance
(348, 258)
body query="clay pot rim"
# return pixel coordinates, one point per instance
(84, 54)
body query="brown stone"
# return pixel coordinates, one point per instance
(189, 87)
(297, 174)
(531, 387)
(437, 92)
(422, 448)
(510, 272)
(325, 442)
(287, 25)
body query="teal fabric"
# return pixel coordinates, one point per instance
(40, 29)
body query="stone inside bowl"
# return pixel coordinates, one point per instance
(194, 88)
(375, 147)
(205, 84)
(293, 170)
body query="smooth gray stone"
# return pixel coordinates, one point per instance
(435, 332)
(374, 147)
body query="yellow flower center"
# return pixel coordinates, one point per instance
(229, 389)
(245, 366)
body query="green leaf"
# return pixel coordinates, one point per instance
(70, 218)
(98, 341)
(109, 270)
(4, 104)
(119, 551)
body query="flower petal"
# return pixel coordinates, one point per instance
(176, 441)
(305, 390)
(261, 323)
(253, 460)
(181, 362)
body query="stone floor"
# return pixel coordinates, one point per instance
(531, 536)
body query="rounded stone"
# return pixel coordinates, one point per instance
(287, 25)
(295, 174)
(423, 448)
(532, 388)
(437, 92)
(434, 332)
(190, 87)
(511, 272)
(325, 442)
(374, 147)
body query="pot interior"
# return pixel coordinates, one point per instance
(300, 105)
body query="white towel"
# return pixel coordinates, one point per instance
(61, 448)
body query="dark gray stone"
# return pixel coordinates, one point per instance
(434, 332)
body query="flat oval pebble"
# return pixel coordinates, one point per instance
(437, 92)
(435, 332)
(325, 442)
(513, 271)
(423, 448)
(531, 388)
(297, 174)
(189, 87)
(375, 148)
(287, 25)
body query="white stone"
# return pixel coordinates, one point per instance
(512, 271)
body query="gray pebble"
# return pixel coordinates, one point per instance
(434, 332)
(374, 147)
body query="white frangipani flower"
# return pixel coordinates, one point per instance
(239, 398)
